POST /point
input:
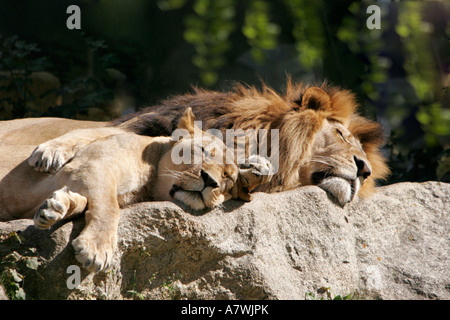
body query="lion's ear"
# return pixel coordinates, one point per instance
(314, 98)
(187, 121)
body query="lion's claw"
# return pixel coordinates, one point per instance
(260, 166)
(94, 254)
(258, 170)
(48, 158)
(48, 214)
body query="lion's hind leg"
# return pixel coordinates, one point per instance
(61, 205)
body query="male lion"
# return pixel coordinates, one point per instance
(322, 139)
(119, 168)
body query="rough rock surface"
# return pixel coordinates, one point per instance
(288, 245)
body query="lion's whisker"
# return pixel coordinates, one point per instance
(323, 162)
(324, 158)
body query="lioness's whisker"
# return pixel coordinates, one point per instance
(173, 173)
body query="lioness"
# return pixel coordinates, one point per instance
(120, 168)
(322, 139)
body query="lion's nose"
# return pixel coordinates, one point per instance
(208, 180)
(363, 168)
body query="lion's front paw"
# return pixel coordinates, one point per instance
(50, 157)
(49, 213)
(95, 252)
(260, 167)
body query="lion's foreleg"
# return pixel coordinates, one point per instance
(52, 155)
(62, 204)
(95, 246)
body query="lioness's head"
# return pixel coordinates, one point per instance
(195, 170)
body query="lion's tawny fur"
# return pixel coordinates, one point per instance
(296, 116)
(300, 114)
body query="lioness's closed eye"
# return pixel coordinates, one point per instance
(117, 168)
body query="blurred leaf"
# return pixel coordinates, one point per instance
(170, 4)
(209, 77)
(261, 34)
(209, 31)
(201, 7)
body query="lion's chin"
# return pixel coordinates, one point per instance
(342, 189)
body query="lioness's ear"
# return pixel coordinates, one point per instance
(187, 121)
(314, 98)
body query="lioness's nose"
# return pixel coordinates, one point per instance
(208, 180)
(363, 168)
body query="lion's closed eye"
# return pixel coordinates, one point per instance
(341, 135)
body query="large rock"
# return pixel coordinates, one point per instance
(290, 245)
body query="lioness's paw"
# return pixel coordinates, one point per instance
(95, 252)
(49, 213)
(49, 157)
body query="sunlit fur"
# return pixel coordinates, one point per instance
(299, 114)
(303, 114)
(113, 169)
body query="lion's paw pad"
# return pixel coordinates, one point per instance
(48, 158)
(48, 214)
(93, 255)
(260, 165)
